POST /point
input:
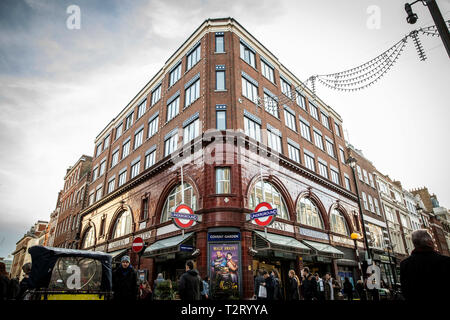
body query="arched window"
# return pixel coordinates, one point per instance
(272, 196)
(123, 225)
(174, 200)
(338, 223)
(89, 238)
(308, 213)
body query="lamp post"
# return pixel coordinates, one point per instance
(355, 237)
(352, 163)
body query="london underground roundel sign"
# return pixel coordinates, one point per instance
(264, 214)
(184, 216)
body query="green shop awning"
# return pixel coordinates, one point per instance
(279, 242)
(324, 249)
(168, 245)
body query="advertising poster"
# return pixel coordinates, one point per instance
(224, 264)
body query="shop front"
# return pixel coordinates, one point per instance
(347, 267)
(386, 268)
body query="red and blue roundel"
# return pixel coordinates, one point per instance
(182, 216)
(264, 214)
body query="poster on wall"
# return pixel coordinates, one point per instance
(224, 265)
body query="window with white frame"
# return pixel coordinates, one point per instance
(318, 139)
(377, 207)
(150, 159)
(301, 101)
(389, 214)
(192, 93)
(123, 225)
(141, 109)
(323, 169)
(221, 119)
(338, 223)
(119, 130)
(193, 57)
(305, 130)
(285, 87)
(337, 129)
(223, 178)
(174, 199)
(135, 168)
(342, 154)
(98, 193)
(266, 191)
(267, 71)
(220, 80)
(249, 90)
(366, 177)
(347, 183)
(102, 167)
(309, 161)
(98, 149)
(247, 54)
(156, 95)
(173, 109)
(308, 213)
(138, 137)
(122, 177)
(252, 129)
(365, 200)
(290, 120)
(313, 111)
(106, 142)
(191, 131)
(330, 148)
(115, 158)
(153, 126)
(128, 121)
(294, 152)
(335, 176)
(170, 144)
(220, 43)
(274, 140)
(95, 173)
(325, 120)
(126, 149)
(271, 105)
(371, 207)
(175, 75)
(358, 169)
(111, 185)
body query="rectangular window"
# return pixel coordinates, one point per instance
(126, 149)
(301, 101)
(106, 142)
(365, 200)
(274, 141)
(173, 109)
(271, 105)
(252, 129)
(294, 153)
(221, 120)
(220, 43)
(115, 158)
(366, 177)
(347, 183)
(313, 111)
(220, 80)
(98, 149)
(249, 90)
(119, 130)
(247, 55)
(342, 154)
(111, 185)
(191, 131)
(325, 120)
(337, 129)
(102, 167)
(122, 178)
(371, 203)
(91, 198)
(128, 121)
(318, 139)
(170, 145)
(144, 215)
(289, 118)
(175, 75)
(95, 173)
(150, 159)
(102, 227)
(358, 169)
(192, 93)
(98, 194)
(138, 138)
(335, 176)
(141, 109)
(267, 71)
(223, 181)
(156, 95)
(135, 168)
(285, 88)
(305, 130)
(309, 162)
(323, 170)
(330, 148)
(153, 126)
(193, 58)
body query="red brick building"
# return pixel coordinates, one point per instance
(210, 110)
(71, 200)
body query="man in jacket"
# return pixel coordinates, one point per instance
(190, 285)
(259, 281)
(125, 285)
(309, 285)
(270, 285)
(418, 272)
(320, 287)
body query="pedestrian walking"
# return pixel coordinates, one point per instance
(260, 286)
(4, 282)
(269, 284)
(205, 292)
(309, 285)
(348, 289)
(320, 287)
(145, 291)
(26, 283)
(419, 273)
(277, 294)
(125, 285)
(359, 287)
(190, 285)
(158, 280)
(332, 288)
(293, 286)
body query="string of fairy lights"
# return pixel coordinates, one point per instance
(359, 77)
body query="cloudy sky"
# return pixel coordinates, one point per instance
(60, 87)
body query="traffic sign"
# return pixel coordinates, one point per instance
(184, 216)
(264, 214)
(138, 244)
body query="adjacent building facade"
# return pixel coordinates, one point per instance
(244, 130)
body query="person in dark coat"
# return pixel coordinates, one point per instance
(424, 274)
(320, 287)
(293, 285)
(26, 283)
(190, 285)
(259, 281)
(348, 288)
(309, 285)
(359, 287)
(125, 286)
(277, 294)
(270, 285)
